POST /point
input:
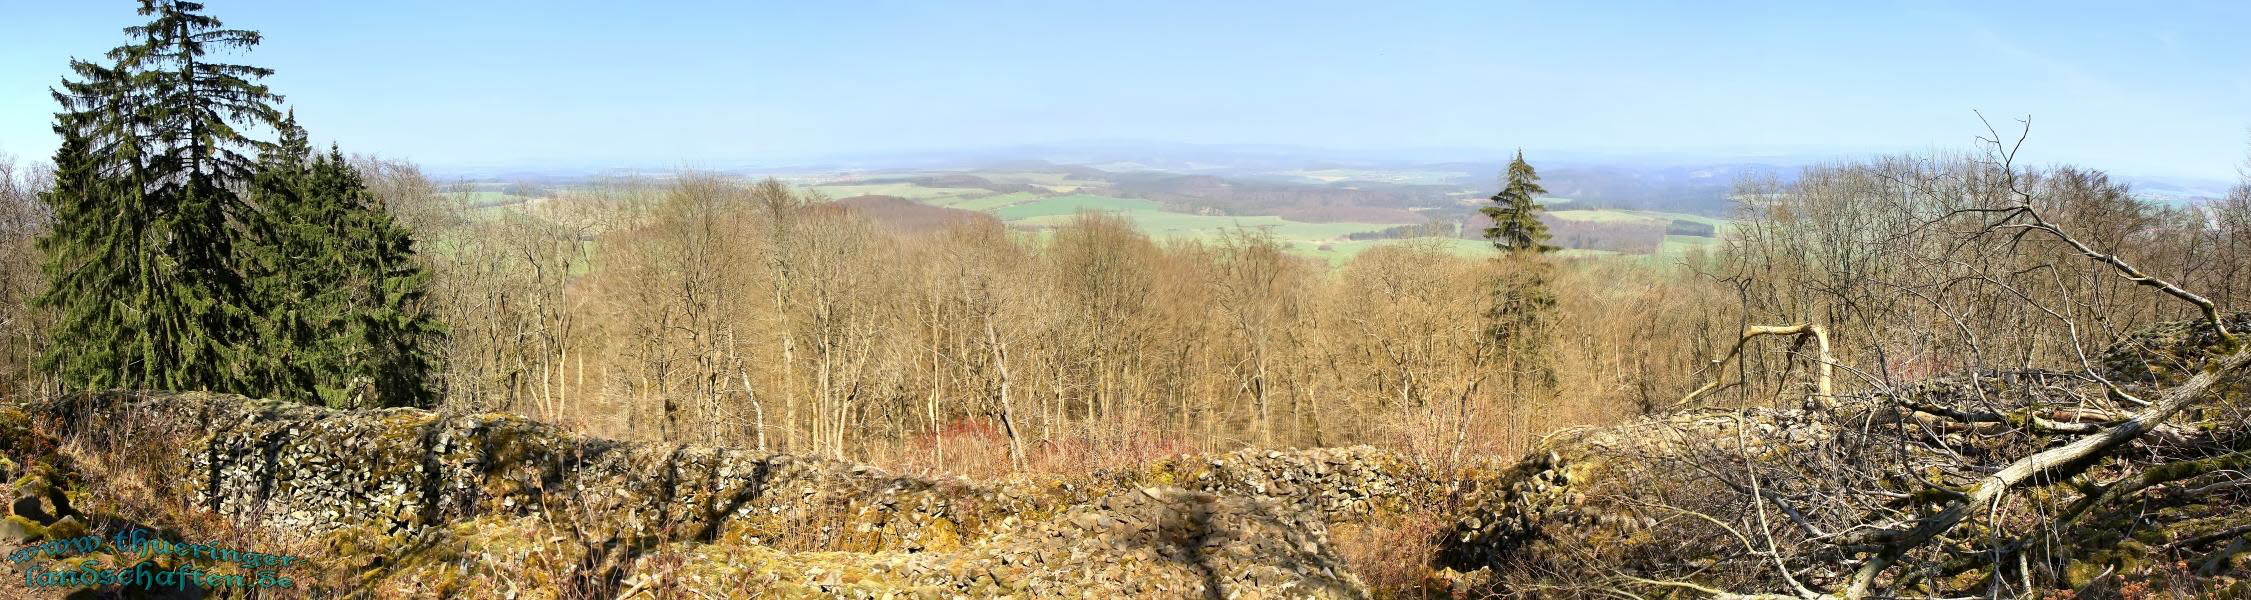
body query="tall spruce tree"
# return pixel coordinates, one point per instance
(165, 278)
(142, 264)
(295, 268)
(345, 325)
(1516, 222)
(96, 249)
(385, 331)
(1520, 320)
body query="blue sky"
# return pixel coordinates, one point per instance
(2143, 90)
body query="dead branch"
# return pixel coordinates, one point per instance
(2005, 159)
(2211, 311)
(2078, 453)
(1801, 331)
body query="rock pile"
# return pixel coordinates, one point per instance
(39, 507)
(395, 493)
(1147, 543)
(1340, 484)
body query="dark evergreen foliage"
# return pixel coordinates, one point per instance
(148, 223)
(1521, 317)
(163, 276)
(1516, 222)
(295, 272)
(345, 326)
(95, 266)
(377, 315)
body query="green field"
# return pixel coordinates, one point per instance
(1319, 240)
(483, 199)
(936, 196)
(1601, 216)
(1035, 213)
(1612, 215)
(1163, 224)
(1326, 240)
(1673, 247)
(988, 203)
(1677, 245)
(1071, 205)
(1052, 181)
(487, 206)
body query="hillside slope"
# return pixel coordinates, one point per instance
(410, 503)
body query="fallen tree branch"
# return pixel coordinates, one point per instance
(2127, 271)
(2075, 454)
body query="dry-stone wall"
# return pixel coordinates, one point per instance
(370, 482)
(1340, 484)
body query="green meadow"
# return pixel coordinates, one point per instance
(1160, 223)
(1057, 182)
(931, 195)
(988, 203)
(485, 198)
(1037, 212)
(1613, 215)
(1073, 204)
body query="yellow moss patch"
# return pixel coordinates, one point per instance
(30, 528)
(941, 535)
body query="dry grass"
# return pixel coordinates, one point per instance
(120, 491)
(979, 450)
(1392, 554)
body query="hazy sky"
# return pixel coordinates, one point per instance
(2117, 85)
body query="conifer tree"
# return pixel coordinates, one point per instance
(142, 268)
(387, 330)
(1520, 319)
(344, 325)
(295, 268)
(164, 278)
(1516, 222)
(96, 250)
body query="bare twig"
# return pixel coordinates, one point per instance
(1801, 330)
